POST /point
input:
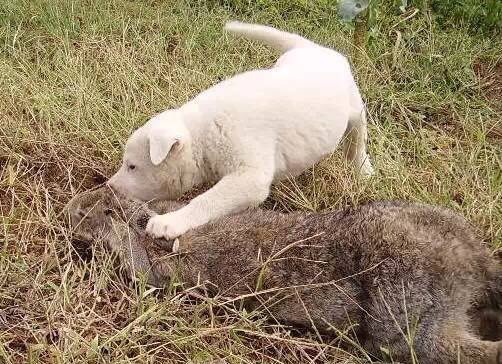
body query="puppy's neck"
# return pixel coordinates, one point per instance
(196, 123)
(192, 116)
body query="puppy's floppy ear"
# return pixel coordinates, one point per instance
(161, 143)
(166, 134)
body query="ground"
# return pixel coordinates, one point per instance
(77, 77)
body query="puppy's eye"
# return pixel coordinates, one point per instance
(108, 212)
(131, 167)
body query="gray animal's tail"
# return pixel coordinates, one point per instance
(277, 39)
(495, 288)
(488, 314)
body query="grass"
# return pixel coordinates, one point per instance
(77, 77)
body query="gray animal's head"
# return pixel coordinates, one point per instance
(103, 215)
(94, 214)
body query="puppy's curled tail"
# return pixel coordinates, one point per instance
(277, 39)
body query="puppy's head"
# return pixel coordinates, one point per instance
(157, 160)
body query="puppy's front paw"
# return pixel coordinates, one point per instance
(168, 226)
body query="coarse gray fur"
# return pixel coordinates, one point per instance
(406, 274)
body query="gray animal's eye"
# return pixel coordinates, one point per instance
(108, 212)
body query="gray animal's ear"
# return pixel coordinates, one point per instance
(161, 144)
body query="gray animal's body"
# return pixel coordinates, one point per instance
(409, 275)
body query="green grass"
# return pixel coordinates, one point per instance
(77, 77)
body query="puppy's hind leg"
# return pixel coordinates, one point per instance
(357, 137)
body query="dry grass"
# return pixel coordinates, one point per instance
(77, 77)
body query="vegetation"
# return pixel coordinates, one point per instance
(77, 76)
(478, 16)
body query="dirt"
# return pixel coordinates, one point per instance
(490, 80)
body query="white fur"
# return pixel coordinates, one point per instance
(176, 245)
(246, 132)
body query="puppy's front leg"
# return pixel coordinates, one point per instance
(234, 192)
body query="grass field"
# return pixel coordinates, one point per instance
(77, 77)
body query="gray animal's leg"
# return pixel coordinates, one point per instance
(455, 345)
(409, 326)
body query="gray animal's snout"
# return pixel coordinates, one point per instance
(74, 212)
(76, 216)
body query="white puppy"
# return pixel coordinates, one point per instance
(246, 132)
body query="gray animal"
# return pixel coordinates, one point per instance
(414, 278)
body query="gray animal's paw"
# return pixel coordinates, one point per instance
(171, 246)
(499, 353)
